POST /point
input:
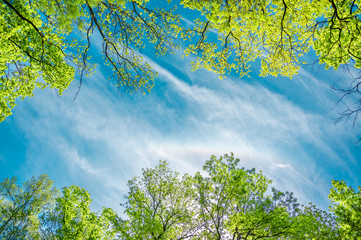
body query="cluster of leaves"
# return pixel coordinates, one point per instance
(31, 54)
(38, 211)
(20, 206)
(44, 42)
(346, 204)
(231, 34)
(337, 36)
(227, 202)
(278, 32)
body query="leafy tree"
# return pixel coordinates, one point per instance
(36, 210)
(226, 202)
(346, 205)
(314, 223)
(233, 204)
(43, 42)
(73, 219)
(20, 206)
(160, 205)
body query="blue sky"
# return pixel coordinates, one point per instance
(99, 141)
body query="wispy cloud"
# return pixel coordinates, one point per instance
(102, 139)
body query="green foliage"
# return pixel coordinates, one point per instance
(73, 219)
(159, 205)
(277, 32)
(44, 42)
(20, 206)
(337, 38)
(36, 210)
(309, 227)
(227, 203)
(32, 53)
(346, 205)
(233, 204)
(224, 202)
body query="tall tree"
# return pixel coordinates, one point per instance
(72, 218)
(160, 205)
(20, 206)
(233, 203)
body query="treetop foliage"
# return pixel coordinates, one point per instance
(46, 42)
(224, 202)
(346, 204)
(278, 32)
(20, 206)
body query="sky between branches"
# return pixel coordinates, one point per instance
(99, 141)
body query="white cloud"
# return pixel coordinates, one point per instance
(101, 140)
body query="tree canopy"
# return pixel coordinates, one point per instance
(346, 204)
(279, 33)
(222, 202)
(45, 42)
(20, 206)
